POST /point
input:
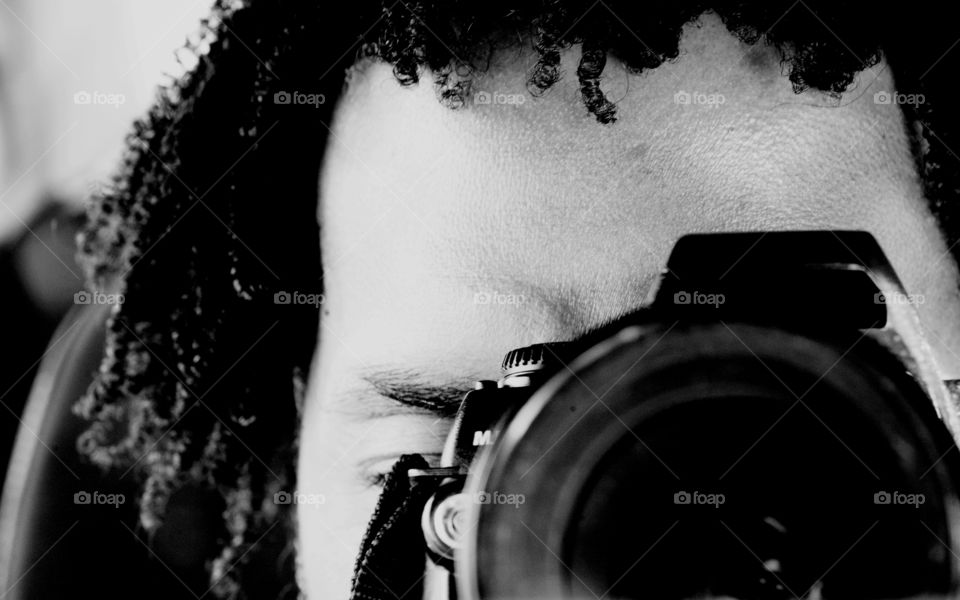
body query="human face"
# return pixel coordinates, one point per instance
(565, 224)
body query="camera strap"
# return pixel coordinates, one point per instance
(391, 563)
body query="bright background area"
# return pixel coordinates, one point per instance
(51, 142)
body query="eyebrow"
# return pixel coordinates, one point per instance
(408, 389)
(411, 389)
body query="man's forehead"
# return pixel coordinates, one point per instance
(718, 134)
(532, 204)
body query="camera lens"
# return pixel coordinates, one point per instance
(721, 461)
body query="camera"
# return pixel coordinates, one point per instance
(766, 425)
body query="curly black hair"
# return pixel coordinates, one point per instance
(213, 210)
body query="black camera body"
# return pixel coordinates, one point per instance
(768, 425)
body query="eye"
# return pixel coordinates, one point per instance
(374, 473)
(377, 480)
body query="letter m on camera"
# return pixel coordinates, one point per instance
(482, 437)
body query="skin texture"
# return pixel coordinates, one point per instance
(565, 225)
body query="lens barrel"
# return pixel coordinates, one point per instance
(716, 459)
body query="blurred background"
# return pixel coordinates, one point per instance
(74, 74)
